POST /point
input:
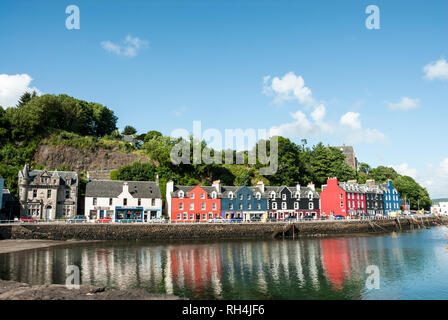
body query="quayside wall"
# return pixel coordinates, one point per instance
(204, 231)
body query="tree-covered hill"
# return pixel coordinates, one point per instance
(63, 120)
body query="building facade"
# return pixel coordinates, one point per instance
(391, 199)
(350, 157)
(118, 200)
(243, 202)
(298, 202)
(374, 198)
(342, 199)
(192, 203)
(47, 194)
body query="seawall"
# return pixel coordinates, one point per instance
(211, 231)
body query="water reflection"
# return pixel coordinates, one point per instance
(332, 268)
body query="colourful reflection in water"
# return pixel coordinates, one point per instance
(413, 265)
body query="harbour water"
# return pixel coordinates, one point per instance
(411, 265)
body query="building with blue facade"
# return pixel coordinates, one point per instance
(2, 181)
(391, 198)
(243, 202)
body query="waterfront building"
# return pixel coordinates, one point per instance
(48, 194)
(192, 203)
(9, 205)
(243, 202)
(118, 200)
(440, 208)
(374, 198)
(2, 181)
(344, 198)
(391, 198)
(298, 202)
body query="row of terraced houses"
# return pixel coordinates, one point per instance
(52, 195)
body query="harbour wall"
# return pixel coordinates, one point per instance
(204, 231)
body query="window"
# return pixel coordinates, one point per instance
(258, 206)
(230, 206)
(67, 194)
(348, 196)
(35, 193)
(340, 196)
(284, 205)
(153, 202)
(179, 216)
(342, 204)
(296, 205)
(48, 193)
(125, 202)
(258, 195)
(249, 206)
(192, 195)
(203, 206)
(241, 197)
(181, 206)
(272, 195)
(139, 202)
(204, 216)
(310, 196)
(283, 196)
(214, 206)
(94, 201)
(274, 205)
(181, 194)
(191, 206)
(248, 197)
(202, 195)
(241, 206)
(231, 195)
(310, 205)
(210, 216)
(185, 216)
(191, 216)
(213, 195)
(110, 201)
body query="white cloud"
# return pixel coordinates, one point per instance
(130, 47)
(405, 170)
(436, 70)
(405, 104)
(444, 165)
(12, 87)
(351, 119)
(289, 87)
(179, 112)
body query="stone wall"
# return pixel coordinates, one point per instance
(207, 231)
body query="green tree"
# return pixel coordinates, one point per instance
(26, 97)
(129, 130)
(364, 168)
(412, 192)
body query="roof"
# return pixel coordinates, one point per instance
(345, 149)
(304, 191)
(113, 188)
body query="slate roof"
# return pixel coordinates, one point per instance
(113, 188)
(303, 191)
(29, 173)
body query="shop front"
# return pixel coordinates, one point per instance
(129, 213)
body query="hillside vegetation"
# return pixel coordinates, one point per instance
(60, 120)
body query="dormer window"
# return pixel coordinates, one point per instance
(181, 194)
(214, 195)
(258, 195)
(231, 195)
(202, 195)
(192, 195)
(310, 196)
(283, 196)
(272, 195)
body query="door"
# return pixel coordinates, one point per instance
(101, 213)
(198, 217)
(48, 213)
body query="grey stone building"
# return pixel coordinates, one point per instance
(48, 194)
(350, 157)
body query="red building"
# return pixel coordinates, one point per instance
(192, 204)
(342, 199)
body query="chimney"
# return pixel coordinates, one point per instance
(217, 185)
(370, 183)
(260, 185)
(157, 179)
(352, 181)
(333, 181)
(125, 187)
(311, 186)
(298, 186)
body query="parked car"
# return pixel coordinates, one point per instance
(271, 219)
(27, 219)
(217, 220)
(127, 220)
(339, 217)
(103, 220)
(255, 219)
(77, 219)
(290, 219)
(158, 220)
(308, 218)
(236, 220)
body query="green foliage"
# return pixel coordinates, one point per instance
(382, 174)
(364, 168)
(114, 175)
(412, 192)
(26, 97)
(138, 172)
(129, 130)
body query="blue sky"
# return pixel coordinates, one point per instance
(224, 63)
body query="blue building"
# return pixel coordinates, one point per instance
(243, 202)
(391, 198)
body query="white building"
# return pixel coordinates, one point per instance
(139, 200)
(441, 208)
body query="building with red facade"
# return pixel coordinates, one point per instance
(342, 199)
(192, 203)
